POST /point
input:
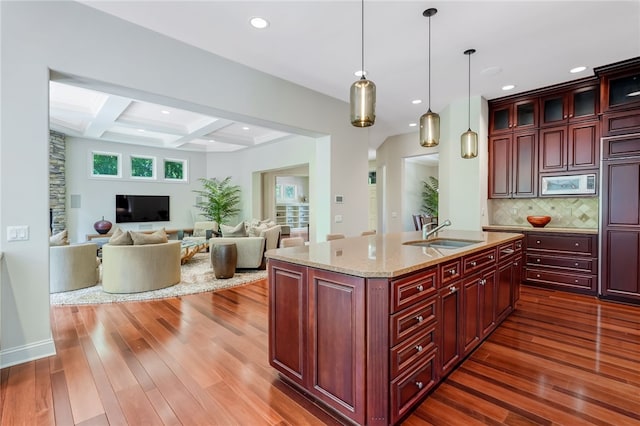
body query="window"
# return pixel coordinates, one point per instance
(106, 164)
(175, 170)
(143, 167)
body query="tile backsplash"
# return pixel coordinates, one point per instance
(577, 212)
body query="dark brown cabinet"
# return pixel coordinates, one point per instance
(621, 218)
(569, 148)
(562, 261)
(450, 300)
(513, 115)
(579, 102)
(513, 165)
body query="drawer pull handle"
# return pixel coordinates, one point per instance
(483, 281)
(473, 263)
(577, 244)
(420, 288)
(507, 251)
(537, 241)
(419, 318)
(537, 275)
(419, 348)
(577, 264)
(419, 385)
(491, 257)
(452, 289)
(538, 260)
(452, 271)
(576, 281)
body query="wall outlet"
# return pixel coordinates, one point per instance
(338, 218)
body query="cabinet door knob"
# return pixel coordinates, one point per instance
(538, 260)
(491, 257)
(419, 318)
(483, 281)
(452, 271)
(419, 348)
(419, 385)
(452, 289)
(576, 281)
(577, 264)
(537, 275)
(537, 241)
(565, 116)
(577, 244)
(570, 115)
(420, 288)
(473, 263)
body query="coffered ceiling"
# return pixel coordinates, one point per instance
(317, 44)
(82, 112)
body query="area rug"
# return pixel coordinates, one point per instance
(197, 276)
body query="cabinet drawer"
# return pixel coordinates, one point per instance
(408, 389)
(585, 282)
(579, 264)
(412, 351)
(506, 251)
(450, 271)
(413, 289)
(413, 320)
(518, 244)
(573, 243)
(478, 261)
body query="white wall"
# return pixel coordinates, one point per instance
(97, 195)
(463, 183)
(75, 40)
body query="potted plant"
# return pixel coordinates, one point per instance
(430, 196)
(220, 199)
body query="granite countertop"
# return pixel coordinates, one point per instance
(550, 229)
(385, 255)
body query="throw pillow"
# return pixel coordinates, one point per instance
(157, 237)
(233, 231)
(120, 238)
(255, 231)
(59, 239)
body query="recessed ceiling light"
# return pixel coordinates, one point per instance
(416, 101)
(259, 23)
(413, 124)
(360, 73)
(141, 130)
(245, 128)
(508, 87)
(164, 111)
(577, 69)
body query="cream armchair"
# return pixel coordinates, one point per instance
(251, 249)
(72, 267)
(136, 268)
(202, 231)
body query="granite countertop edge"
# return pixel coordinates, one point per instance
(517, 228)
(401, 259)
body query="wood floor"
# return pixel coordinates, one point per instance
(202, 360)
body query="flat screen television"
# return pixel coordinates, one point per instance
(142, 208)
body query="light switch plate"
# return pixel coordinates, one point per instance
(18, 233)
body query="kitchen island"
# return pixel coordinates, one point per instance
(368, 326)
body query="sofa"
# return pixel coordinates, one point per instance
(251, 249)
(73, 267)
(137, 268)
(202, 231)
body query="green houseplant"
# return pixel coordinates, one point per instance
(220, 199)
(430, 196)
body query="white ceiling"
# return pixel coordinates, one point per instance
(316, 44)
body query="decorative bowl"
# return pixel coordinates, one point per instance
(538, 221)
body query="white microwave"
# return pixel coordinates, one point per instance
(568, 184)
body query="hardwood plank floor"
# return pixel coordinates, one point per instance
(202, 360)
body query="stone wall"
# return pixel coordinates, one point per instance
(57, 187)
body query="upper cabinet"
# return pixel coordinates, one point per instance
(620, 97)
(575, 104)
(519, 114)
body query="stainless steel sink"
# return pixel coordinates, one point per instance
(442, 243)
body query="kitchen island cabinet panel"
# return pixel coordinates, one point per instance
(471, 313)
(450, 299)
(621, 271)
(337, 356)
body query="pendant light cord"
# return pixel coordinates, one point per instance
(429, 66)
(469, 99)
(362, 27)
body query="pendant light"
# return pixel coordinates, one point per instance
(363, 95)
(469, 139)
(430, 121)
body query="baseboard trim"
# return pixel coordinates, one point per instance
(26, 353)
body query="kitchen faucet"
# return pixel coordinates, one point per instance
(426, 234)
